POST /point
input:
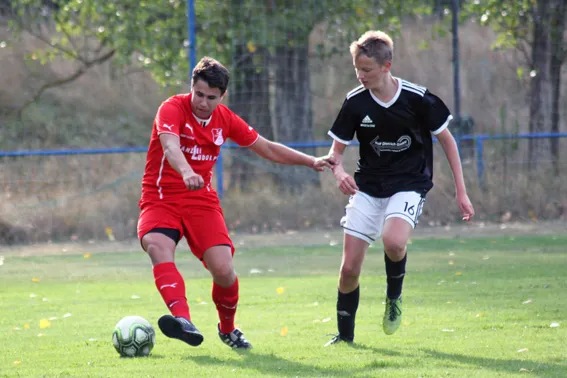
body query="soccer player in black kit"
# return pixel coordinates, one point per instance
(394, 121)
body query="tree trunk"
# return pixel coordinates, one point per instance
(293, 110)
(249, 98)
(540, 90)
(557, 59)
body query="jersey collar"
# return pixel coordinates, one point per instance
(393, 100)
(203, 122)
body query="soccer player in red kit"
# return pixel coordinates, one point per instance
(178, 200)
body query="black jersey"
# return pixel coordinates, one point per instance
(396, 152)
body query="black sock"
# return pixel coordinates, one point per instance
(347, 304)
(395, 272)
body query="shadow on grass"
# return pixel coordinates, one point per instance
(271, 364)
(504, 365)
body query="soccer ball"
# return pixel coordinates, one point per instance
(133, 336)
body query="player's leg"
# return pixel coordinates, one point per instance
(209, 241)
(361, 228)
(402, 213)
(225, 292)
(158, 229)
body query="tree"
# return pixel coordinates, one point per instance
(264, 42)
(536, 29)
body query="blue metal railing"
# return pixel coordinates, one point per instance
(478, 142)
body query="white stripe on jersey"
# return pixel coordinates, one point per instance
(355, 91)
(414, 86)
(443, 126)
(413, 90)
(159, 177)
(332, 135)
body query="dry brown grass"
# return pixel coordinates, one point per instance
(59, 198)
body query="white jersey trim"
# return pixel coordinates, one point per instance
(411, 85)
(332, 135)
(166, 132)
(443, 126)
(355, 91)
(159, 177)
(255, 140)
(393, 100)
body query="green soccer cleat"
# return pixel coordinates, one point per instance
(392, 315)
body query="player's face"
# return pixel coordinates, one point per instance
(368, 72)
(204, 99)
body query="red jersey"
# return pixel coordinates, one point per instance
(200, 141)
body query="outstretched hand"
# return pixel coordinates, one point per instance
(466, 206)
(321, 163)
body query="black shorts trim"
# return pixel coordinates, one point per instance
(171, 233)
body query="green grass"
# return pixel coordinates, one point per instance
(465, 319)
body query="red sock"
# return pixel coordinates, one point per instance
(226, 300)
(171, 286)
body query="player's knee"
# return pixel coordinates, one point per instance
(159, 253)
(349, 272)
(223, 274)
(394, 247)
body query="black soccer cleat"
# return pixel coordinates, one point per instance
(338, 338)
(181, 329)
(235, 339)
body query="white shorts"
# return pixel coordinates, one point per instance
(365, 215)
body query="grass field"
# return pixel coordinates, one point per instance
(492, 307)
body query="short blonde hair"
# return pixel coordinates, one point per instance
(374, 44)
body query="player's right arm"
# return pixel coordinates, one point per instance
(342, 133)
(171, 146)
(169, 121)
(345, 182)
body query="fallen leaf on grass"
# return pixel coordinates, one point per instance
(17, 362)
(283, 331)
(459, 274)
(280, 290)
(35, 279)
(26, 326)
(44, 323)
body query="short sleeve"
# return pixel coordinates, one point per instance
(169, 119)
(437, 115)
(243, 134)
(344, 126)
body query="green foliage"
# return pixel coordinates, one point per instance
(511, 19)
(154, 34)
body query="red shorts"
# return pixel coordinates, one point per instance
(203, 226)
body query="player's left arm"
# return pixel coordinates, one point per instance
(449, 145)
(282, 154)
(437, 118)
